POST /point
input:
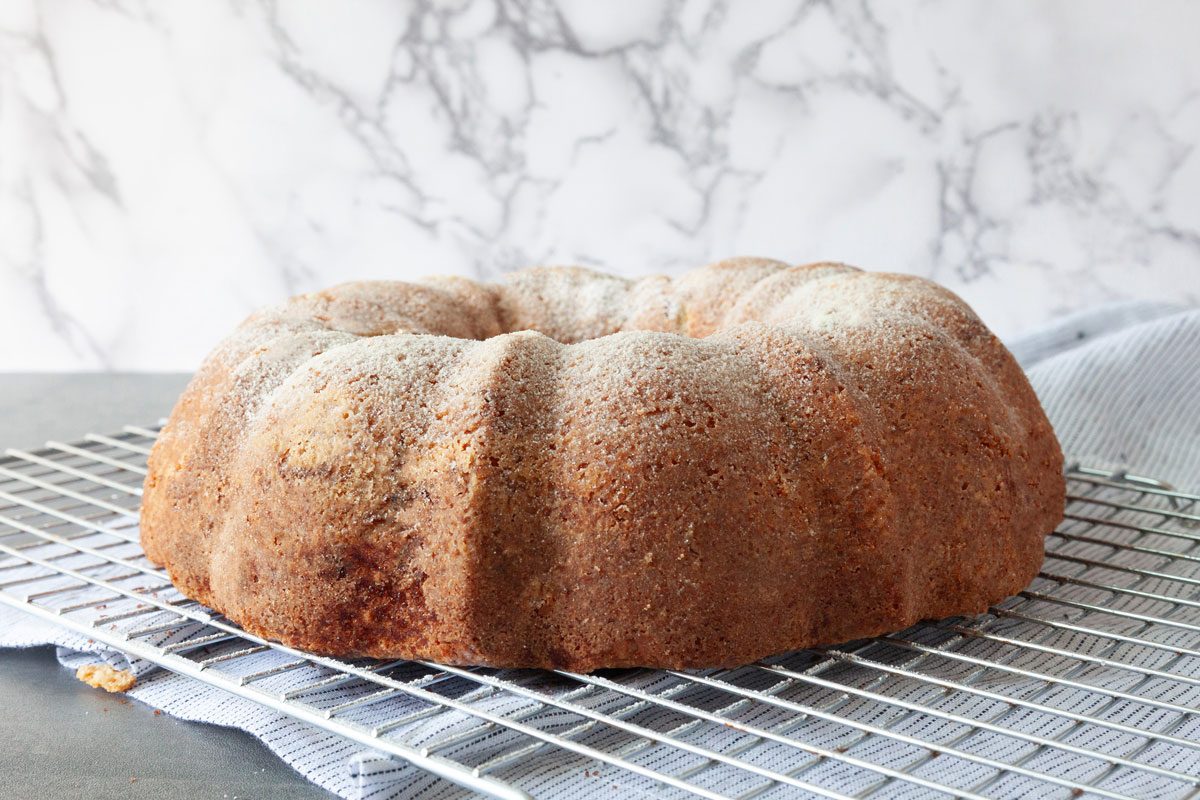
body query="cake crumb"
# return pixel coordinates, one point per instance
(102, 676)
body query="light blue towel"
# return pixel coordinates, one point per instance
(1121, 385)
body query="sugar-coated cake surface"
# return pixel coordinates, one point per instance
(574, 470)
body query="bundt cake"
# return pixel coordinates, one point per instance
(573, 470)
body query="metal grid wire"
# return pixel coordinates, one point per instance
(1086, 684)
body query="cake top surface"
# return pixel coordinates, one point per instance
(606, 328)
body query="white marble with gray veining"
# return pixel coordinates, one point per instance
(165, 167)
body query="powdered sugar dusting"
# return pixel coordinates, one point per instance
(614, 328)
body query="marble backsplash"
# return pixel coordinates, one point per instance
(166, 167)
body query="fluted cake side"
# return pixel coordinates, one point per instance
(574, 470)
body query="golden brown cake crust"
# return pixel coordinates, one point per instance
(573, 470)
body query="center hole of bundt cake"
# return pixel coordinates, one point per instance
(572, 304)
(569, 305)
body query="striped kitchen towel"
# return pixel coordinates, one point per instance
(1121, 385)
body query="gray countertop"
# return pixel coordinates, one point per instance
(61, 738)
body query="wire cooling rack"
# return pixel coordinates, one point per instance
(1087, 684)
